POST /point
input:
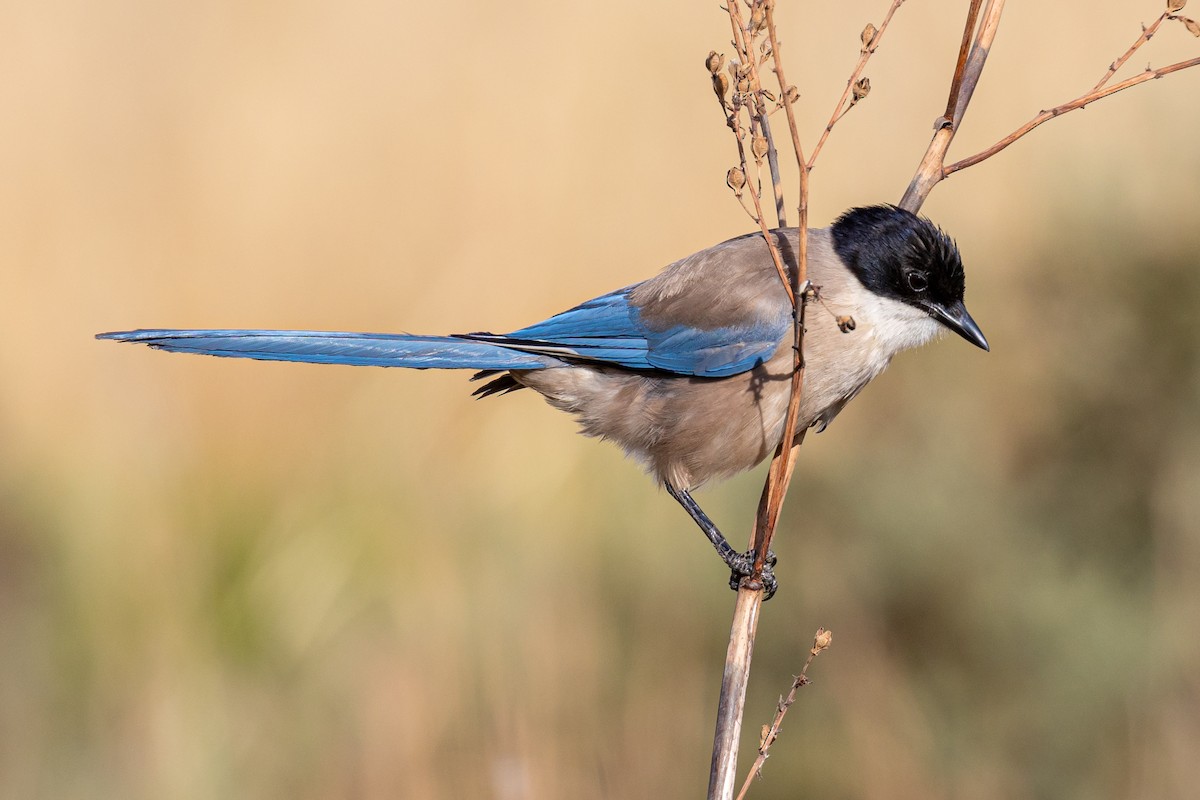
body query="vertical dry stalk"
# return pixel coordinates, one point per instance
(966, 78)
(933, 167)
(821, 641)
(723, 770)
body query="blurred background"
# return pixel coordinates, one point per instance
(236, 579)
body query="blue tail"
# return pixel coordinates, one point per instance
(358, 349)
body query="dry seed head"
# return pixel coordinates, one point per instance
(743, 84)
(758, 19)
(862, 88)
(720, 83)
(868, 36)
(759, 146)
(791, 95)
(1174, 6)
(822, 640)
(735, 179)
(714, 62)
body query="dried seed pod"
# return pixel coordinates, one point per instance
(714, 62)
(791, 95)
(862, 88)
(720, 83)
(1174, 6)
(759, 146)
(1192, 26)
(735, 179)
(868, 36)
(758, 19)
(767, 94)
(743, 84)
(822, 640)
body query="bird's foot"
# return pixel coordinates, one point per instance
(741, 566)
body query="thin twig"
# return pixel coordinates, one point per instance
(842, 109)
(1057, 111)
(1147, 33)
(783, 463)
(723, 770)
(821, 640)
(930, 170)
(776, 180)
(960, 67)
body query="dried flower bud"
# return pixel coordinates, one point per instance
(714, 62)
(759, 146)
(1192, 26)
(735, 179)
(846, 324)
(868, 36)
(1174, 6)
(720, 83)
(822, 640)
(791, 95)
(758, 19)
(767, 94)
(862, 88)
(743, 84)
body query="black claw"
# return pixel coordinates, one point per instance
(742, 566)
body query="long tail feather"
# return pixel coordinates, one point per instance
(358, 349)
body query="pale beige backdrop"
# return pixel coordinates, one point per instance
(237, 579)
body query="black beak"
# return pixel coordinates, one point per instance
(958, 320)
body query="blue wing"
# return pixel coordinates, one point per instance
(611, 329)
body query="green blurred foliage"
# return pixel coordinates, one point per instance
(230, 579)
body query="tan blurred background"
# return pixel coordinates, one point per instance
(235, 579)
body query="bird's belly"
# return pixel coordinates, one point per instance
(691, 430)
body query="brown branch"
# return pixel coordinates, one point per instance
(842, 109)
(1057, 111)
(776, 180)
(783, 463)
(821, 640)
(930, 170)
(960, 67)
(723, 771)
(1147, 33)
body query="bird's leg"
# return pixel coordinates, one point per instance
(741, 565)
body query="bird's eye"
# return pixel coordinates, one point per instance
(917, 281)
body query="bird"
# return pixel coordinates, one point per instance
(689, 372)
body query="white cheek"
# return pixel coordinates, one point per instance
(898, 326)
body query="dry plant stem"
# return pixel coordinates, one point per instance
(930, 170)
(781, 710)
(841, 109)
(1057, 111)
(723, 770)
(960, 66)
(776, 181)
(784, 460)
(1147, 33)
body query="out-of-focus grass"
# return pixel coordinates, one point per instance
(222, 578)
